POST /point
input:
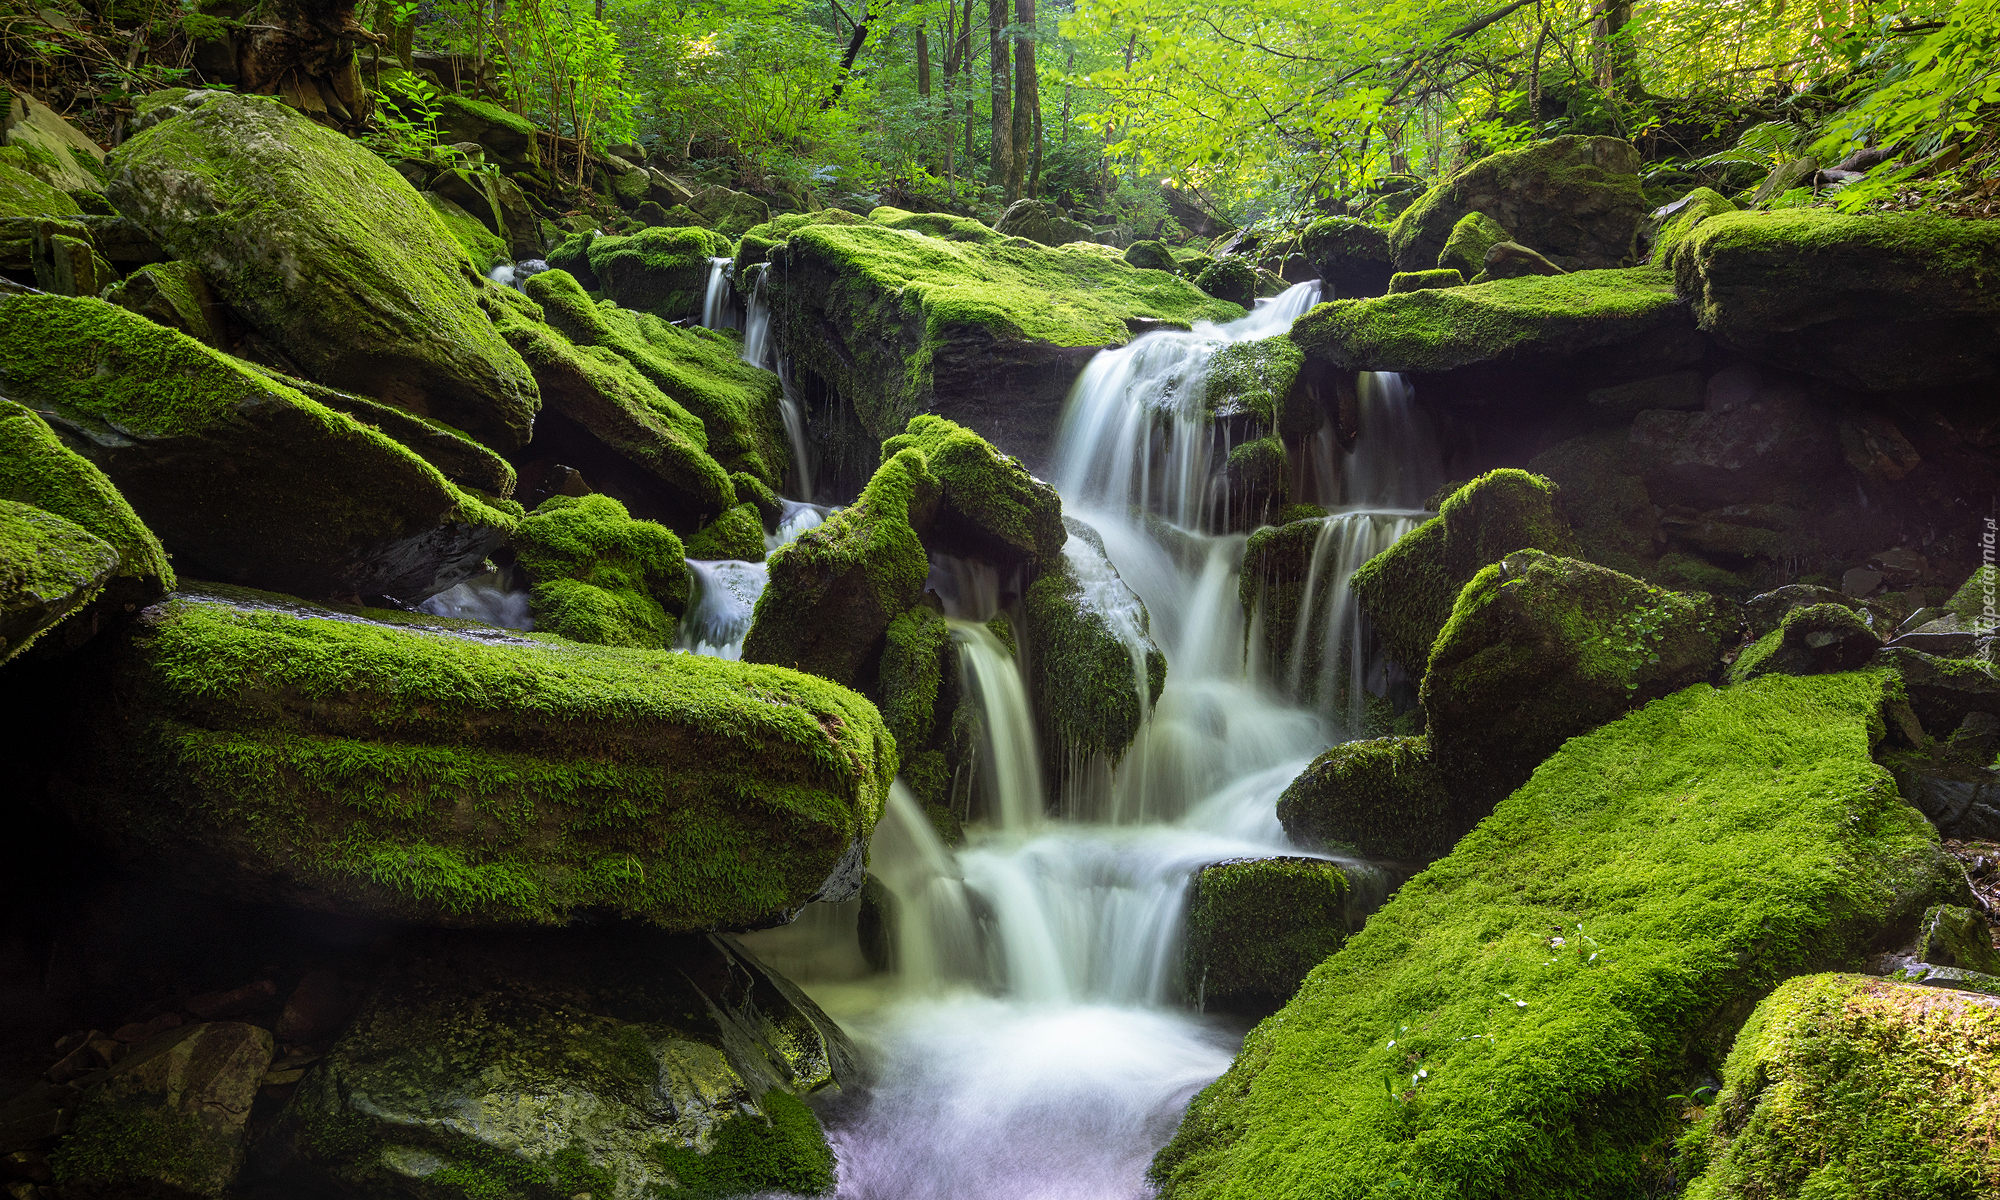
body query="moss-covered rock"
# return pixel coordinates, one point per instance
(49, 568)
(1465, 250)
(485, 248)
(729, 213)
(329, 253)
(1810, 640)
(175, 295)
(1232, 280)
(1603, 496)
(914, 661)
(1511, 1022)
(23, 195)
(738, 533)
(1383, 797)
(599, 576)
(457, 457)
(663, 271)
(1352, 257)
(1262, 378)
(699, 369)
(1951, 935)
(244, 479)
(169, 1119)
(1885, 300)
(1420, 281)
(835, 589)
(507, 138)
(1040, 221)
(1258, 480)
(1408, 589)
(613, 1064)
(1576, 199)
(757, 242)
(398, 765)
(1151, 256)
(1678, 219)
(572, 255)
(58, 151)
(989, 335)
(990, 506)
(1443, 328)
(1846, 1086)
(1540, 649)
(1255, 927)
(1094, 669)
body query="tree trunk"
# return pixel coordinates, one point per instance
(923, 64)
(1027, 99)
(847, 60)
(303, 50)
(1001, 165)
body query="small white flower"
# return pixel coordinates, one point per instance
(1558, 942)
(1424, 1074)
(1520, 1004)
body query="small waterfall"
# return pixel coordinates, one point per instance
(1136, 431)
(1010, 763)
(756, 317)
(718, 305)
(1348, 667)
(936, 941)
(513, 275)
(798, 517)
(793, 414)
(725, 600)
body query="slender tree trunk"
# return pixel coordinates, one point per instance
(1001, 163)
(923, 64)
(854, 42)
(1069, 68)
(1027, 98)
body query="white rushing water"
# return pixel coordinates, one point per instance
(718, 303)
(1032, 1040)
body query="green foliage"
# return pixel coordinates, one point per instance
(784, 1150)
(600, 576)
(738, 533)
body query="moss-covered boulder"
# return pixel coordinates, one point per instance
(757, 242)
(1151, 256)
(942, 225)
(56, 150)
(49, 568)
(1465, 250)
(1408, 590)
(1382, 797)
(914, 661)
(989, 335)
(457, 457)
(169, 1120)
(599, 576)
(173, 294)
(1232, 279)
(508, 139)
(699, 369)
(1512, 1022)
(398, 765)
(23, 195)
(1842, 1085)
(1419, 281)
(1810, 640)
(1040, 221)
(1435, 329)
(485, 248)
(1678, 219)
(614, 1064)
(1352, 257)
(1884, 300)
(1262, 379)
(990, 507)
(663, 271)
(244, 480)
(729, 213)
(834, 590)
(1576, 199)
(1951, 935)
(1256, 927)
(1540, 649)
(737, 534)
(329, 253)
(1094, 669)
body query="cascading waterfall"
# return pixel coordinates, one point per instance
(1032, 1040)
(718, 303)
(756, 317)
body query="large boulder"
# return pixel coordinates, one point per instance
(989, 507)
(1256, 928)
(59, 152)
(244, 479)
(663, 271)
(1810, 640)
(1842, 1085)
(729, 213)
(1232, 279)
(1882, 301)
(1575, 199)
(1094, 669)
(331, 255)
(23, 195)
(507, 139)
(1382, 797)
(447, 773)
(701, 370)
(1040, 221)
(175, 295)
(604, 1063)
(1352, 257)
(1465, 250)
(49, 568)
(599, 576)
(988, 334)
(169, 1119)
(1502, 1026)
(758, 241)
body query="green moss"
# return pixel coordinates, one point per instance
(834, 590)
(912, 673)
(1002, 628)
(1232, 280)
(699, 369)
(1418, 281)
(1811, 638)
(738, 533)
(1511, 1022)
(1151, 256)
(600, 576)
(1383, 797)
(1255, 928)
(24, 195)
(37, 469)
(871, 309)
(389, 764)
(1841, 1087)
(1970, 602)
(172, 294)
(1695, 207)
(1259, 377)
(1438, 329)
(992, 506)
(945, 226)
(1577, 199)
(785, 1151)
(1299, 512)
(49, 568)
(663, 270)
(752, 490)
(757, 242)
(482, 246)
(1465, 250)
(140, 1144)
(1085, 674)
(331, 254)
(572, 255)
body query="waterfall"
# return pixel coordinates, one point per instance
(793, 414)
(493, 598)
(724, 601)
(756, 317)
(718, 304)
(1009, 760)
(1349, 668)
(515, 274)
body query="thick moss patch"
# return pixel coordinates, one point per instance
(1512, 1022)
(756, 244)
(738, 533)
(436, 771)
(991, 506)
(1575, 199)
(49, 568)
(663, 271)
(1261, 378)
(1256, 927)
(600, 576)
(330, 254)
(1841, 1087)
(1094, 668)
(37, 469)
(1442, 328)
(1385, 794)
(23, 195)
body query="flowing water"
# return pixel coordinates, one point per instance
(1032, 1039)
(718, 303)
